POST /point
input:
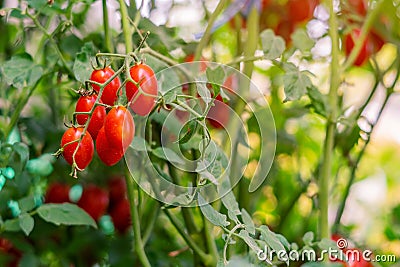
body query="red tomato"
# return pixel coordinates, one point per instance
(109, 95)
(285, 28)
(108, 154)
(85, 150)
(143, 75)
(218, 115)
(359, 6)
(8, 251)
(94, 201)
(377, 41)
(366, 50)
(57, 193)
(119, 127)
(85, 104)
(121, 216)
(117, 189)
(301, 10)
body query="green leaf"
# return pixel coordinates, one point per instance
(27, 203)
(295, 82)
(301, 40)
(20, 156)
(65, 214)
(284, 241)
(204, 92)
(273, 46)
(308, 238)
(37, 4)
(20, 71)
(319, 102)
(271, 239)
(12, 225)
(26, 223)
(231, 205)
(187, 131)
(82, 67)
(211, 214)
(244, 234)
(248, 221)
(215, 77)
(167, 154)
(170, 96)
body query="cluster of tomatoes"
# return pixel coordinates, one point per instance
(372, 44)
(97, 201)
(106, 121)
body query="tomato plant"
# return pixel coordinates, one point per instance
(143, 99)
(109, 154)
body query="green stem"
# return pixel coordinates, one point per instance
(125, 26)
(206, 259)
(369, 20)
(326, 168)
(207, 33)
(139, 247)
(107, 33)
(341, 208)
(211, 246)
(151, 223)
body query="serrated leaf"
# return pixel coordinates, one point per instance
(139, 144)
(82, 67)
(248, 222)
(301, 40)
(271, 239)
(167, 154)
(26, 222)
(216, 218)
(65, 214)
(273, 46)
(20, 71)
(295, 82)
(308, 238)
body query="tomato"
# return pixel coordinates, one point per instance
(203, 64)
(144, 76)
(109, 95)
(377, 41)
(94, 201)
(8, 251)
(285, 28)
(108, 154)
(57, 193)
(85, 150)
(218, 115)
(121, 216)
(359, 6)
(85, 104)
(119, 128)
(366, 50)
(301, 10)
(117, 189)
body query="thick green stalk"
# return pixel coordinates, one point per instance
(207, 33)
(126, 29)
(139, 247)
(107, 33)
(326, 168)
